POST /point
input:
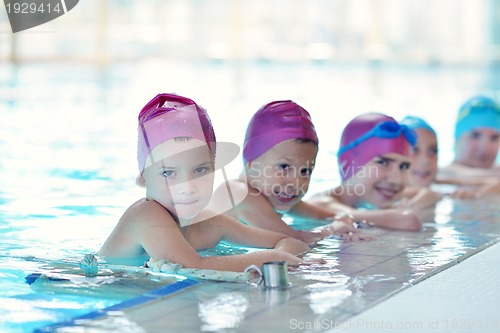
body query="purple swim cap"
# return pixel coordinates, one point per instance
(276, 122)
(370, 135)
(168, 116)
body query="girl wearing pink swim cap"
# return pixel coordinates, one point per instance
(279, 155)
(373, 162)
(176, 155)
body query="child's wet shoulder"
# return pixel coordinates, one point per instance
(145, 209)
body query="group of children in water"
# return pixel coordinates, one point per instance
(386, 167)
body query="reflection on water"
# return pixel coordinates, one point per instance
(324, 296)
(116, 321)
(224, 311)
(274, 297)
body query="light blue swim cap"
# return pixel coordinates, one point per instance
(479, 111)
(416, 123)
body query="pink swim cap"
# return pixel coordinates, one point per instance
(276, 122)
(168, 116)
(368, 136)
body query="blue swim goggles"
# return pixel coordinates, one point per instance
(383, 130)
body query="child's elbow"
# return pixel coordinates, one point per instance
(411, 222)
(292, 245)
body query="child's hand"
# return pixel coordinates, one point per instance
(345, 228)
(477, 192)
(310, 237)
(343, 217)
(355, 237)
(342, 226)
(306, 262)
(465, 193)
(422, 199)
(312, 261)
(430, 197)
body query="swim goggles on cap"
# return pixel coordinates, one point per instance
(383, 130)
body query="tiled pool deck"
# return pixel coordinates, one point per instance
(357, 277)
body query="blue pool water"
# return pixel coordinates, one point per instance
(68, 138)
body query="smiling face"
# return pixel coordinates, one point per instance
(380, 182)
(424, 163)
(179, 176)
(282, 174)
(477, 148)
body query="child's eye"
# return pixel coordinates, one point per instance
(168, 173)
(404, 166)
(382, 162)
(475, 135)
(201, 170)
(306, 172)
(495, 138)
(433, 151)
(284, 166)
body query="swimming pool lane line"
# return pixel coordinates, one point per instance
(133, 302)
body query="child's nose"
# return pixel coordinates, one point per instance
(186, 187)
(293, 183)
(291, 179)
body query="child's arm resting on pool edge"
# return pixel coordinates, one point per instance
(282, 247)
(390, 218)
(287, 248)
(160, 236)
(419, 198)
(256, 211)
(238, 233)
(341, 221)
(400, 219)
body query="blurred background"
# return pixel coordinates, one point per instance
(418, 32)
(71, 89)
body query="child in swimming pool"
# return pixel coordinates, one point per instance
(176, 155)
(424, 166)
(373, 161)
(477, 140)
(279, 155)
(424, 163)
(424, 154)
